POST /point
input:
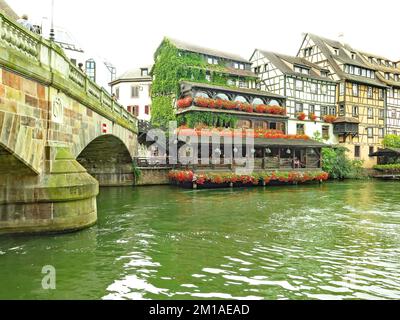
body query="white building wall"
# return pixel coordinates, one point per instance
(126, 99)
(311, 128)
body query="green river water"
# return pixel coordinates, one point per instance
(334, 241)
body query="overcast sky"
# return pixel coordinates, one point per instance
(127, 32)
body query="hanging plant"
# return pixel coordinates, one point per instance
(301, 116)
(330, 118)
(312, 117)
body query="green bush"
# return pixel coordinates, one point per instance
(339, 166)
(391, 141)
(393, 168)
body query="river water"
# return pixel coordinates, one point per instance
(334, 241)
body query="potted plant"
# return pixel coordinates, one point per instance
(301, 116)
(312, 117)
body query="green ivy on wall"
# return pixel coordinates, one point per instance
(171, 66)
(209, 119)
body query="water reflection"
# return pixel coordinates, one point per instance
(335, 241)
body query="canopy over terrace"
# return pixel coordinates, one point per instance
(267, 153)
(387, 155)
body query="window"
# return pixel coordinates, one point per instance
(381, 132)
(134, 92)
(241, 66)
(324, 89)
(342, 110)
(301, 70)
(210, 60)
(266, 67)
(370, 113)
(299, 107)
(355, 90)
(135, 110)
(370, 132)
(244, 124)
(257, 101)
(325, 132)
(208, 77)
(221, 96)
(311, 109)
(242, 84)
(299, 85)
(357, 152)
(381, 94)
(274, 103)
(336, 51)
(231, 82)
(353, 55)
(236, 65)
(341, 89)
(300, 129)
(201, 94)
(261, 125)
(355, 111)
(381, 113)
(387, 75)
(394, 114)
(369, 93)
(308, 52)
(332, 111)
(324, 111)
(324, 73)
(117, 93)
(313, 88)
(371, 150)
(240, 99)
(91, 69)
(147, 110)
(145, 72)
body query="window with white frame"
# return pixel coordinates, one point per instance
(369, 92)
(370, 113)
(134, 92)
(355, 89)
(370, 132)
(299, 85)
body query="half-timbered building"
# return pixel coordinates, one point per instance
(361, 95)
(388, 72)
(309, 89)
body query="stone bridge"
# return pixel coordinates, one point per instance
(61, 136)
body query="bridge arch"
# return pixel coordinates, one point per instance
(108, 159)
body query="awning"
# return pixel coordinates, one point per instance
(262, 142)
(388, 152)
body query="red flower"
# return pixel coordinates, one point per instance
(184, 103)
(330, 118)
(301, 116)
(312, 117)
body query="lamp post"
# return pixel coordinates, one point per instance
(52, 34)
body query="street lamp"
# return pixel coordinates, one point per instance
(52, 33)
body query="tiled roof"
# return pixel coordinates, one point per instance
(134, 74)
(343, 57)
(207, 51)
(279, 60)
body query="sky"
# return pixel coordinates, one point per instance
(127, 32)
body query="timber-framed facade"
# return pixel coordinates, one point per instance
(361, 95)
(309, 89)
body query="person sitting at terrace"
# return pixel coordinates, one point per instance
(296, 163)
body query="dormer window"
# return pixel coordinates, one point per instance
(324, 73)
(387, 75)
(211, 60)
(353, 55)
(336, 51)
(371, 60)
(145, 72)
(237, 65)
(301, 70)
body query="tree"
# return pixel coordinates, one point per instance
(391, 141)
(338, 165)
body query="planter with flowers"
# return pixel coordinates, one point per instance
(330, 118)
(184, 103)
(312, 117)
(187, 179)
(301, 116)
